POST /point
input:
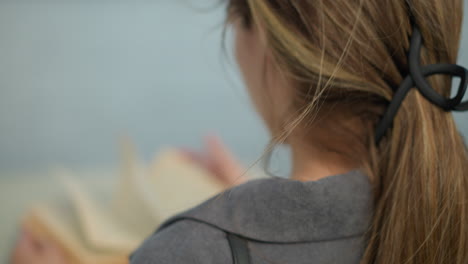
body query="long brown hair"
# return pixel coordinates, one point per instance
(346, 58)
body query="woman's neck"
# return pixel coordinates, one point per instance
(311, 164)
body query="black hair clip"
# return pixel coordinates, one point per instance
(416, 78)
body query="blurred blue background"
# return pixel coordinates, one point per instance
(77, 75)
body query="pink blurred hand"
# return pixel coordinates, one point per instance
(34, 250)
(218, 160)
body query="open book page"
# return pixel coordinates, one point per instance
(93, 230)
(133, 201)
(100, 228)
(180, 184)
(59, 223)
(144, 200)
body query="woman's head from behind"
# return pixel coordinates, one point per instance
(322, 72)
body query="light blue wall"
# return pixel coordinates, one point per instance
(76, 74)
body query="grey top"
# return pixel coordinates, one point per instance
(285, 221)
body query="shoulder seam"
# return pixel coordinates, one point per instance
(193, 219)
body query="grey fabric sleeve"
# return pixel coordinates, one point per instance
(185, 242)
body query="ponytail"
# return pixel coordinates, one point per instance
(349, 57)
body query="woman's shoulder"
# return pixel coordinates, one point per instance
(184, 241)
(259, 208)
(189, 237)
(271, 211)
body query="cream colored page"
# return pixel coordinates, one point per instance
(101, 230)
(179, 184)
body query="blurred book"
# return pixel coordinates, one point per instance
(92, 230)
